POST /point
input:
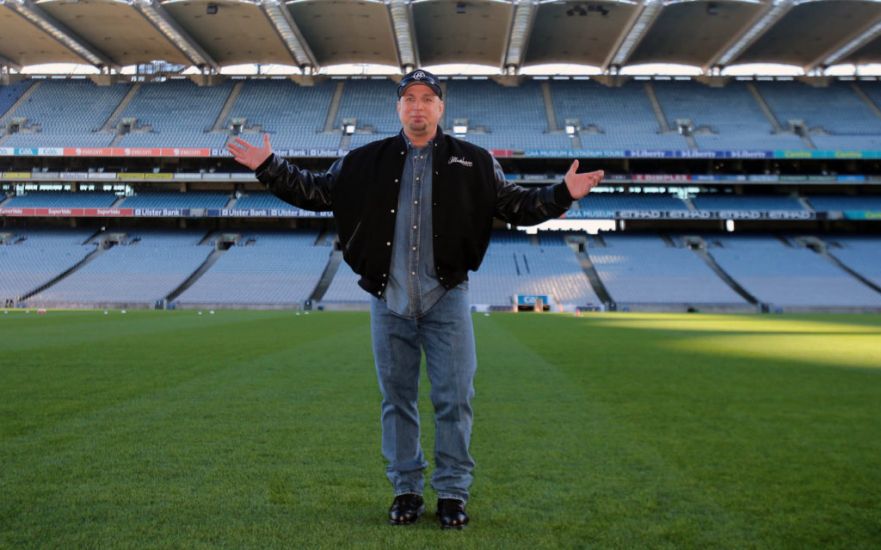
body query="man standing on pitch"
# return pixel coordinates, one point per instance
(414, 214)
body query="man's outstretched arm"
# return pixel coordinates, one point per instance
(521, 206)
(298, 187)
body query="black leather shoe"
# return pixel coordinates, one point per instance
(451, 513)
(406, 509)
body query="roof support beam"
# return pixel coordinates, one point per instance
(170, 28)
(634, 31)
(9, 63)
(58, 31)
(290, 34)
(850, 44)
(518, 37)
(749, 33)
(402, 24)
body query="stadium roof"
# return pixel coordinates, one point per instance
(507, 34)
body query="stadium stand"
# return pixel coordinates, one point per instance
(344, 289)
(487, 107)
(730, 114)
(513, 265)
(788, 277)
(176, 200)
(261, 200)
(835, 108)
(141, 270)
(263, 269)
(66, 113)
(746, 202)
(176, 113)
(645, 272)
(861, 254)
(293, 115)
(604, 205)
(623, 116)
(9, 94)
(831, 203)
(372, 103)
(34, 257)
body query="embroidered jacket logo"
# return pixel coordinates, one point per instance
(463, 162)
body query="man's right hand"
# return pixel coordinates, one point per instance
(247, 154)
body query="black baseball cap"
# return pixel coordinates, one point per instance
(420, 76)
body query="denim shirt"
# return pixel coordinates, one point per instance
(413, 286)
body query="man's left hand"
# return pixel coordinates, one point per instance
(580, 184)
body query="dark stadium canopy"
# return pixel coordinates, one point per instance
(508, 34)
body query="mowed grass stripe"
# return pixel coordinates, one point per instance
(205, 450)
(589, 480)
(783, 445)
(261, 429)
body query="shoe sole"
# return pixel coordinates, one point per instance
(457, 527)
(419, 513)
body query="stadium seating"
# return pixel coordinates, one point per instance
(179, 113)
(835, 108)
(69, 113)
(34, 257)
(176, 200)
(624, 115)
(263, 269)
(372, 103)
(604, 205)
(141, 270)
(293, 115)
(261, 200)
(746, 202)
(488, 107)
(861, 143)
(829, 203)
(513, 265)
(787, 276)
(861, 254)
(731, 113)
(645, 271)
(10, 94)
(344, 288)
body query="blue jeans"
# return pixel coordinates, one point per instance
(446, 334)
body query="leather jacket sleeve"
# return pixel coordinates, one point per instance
(522, 206)
(302, 188)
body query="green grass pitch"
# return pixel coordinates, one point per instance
(261, 429)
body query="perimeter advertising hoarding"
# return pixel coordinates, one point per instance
(583, 214)
(501, 153)
(107, 152)
(574, 214)
(161, 213)
(68, 212)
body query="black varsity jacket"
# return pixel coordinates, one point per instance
(362, 191)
